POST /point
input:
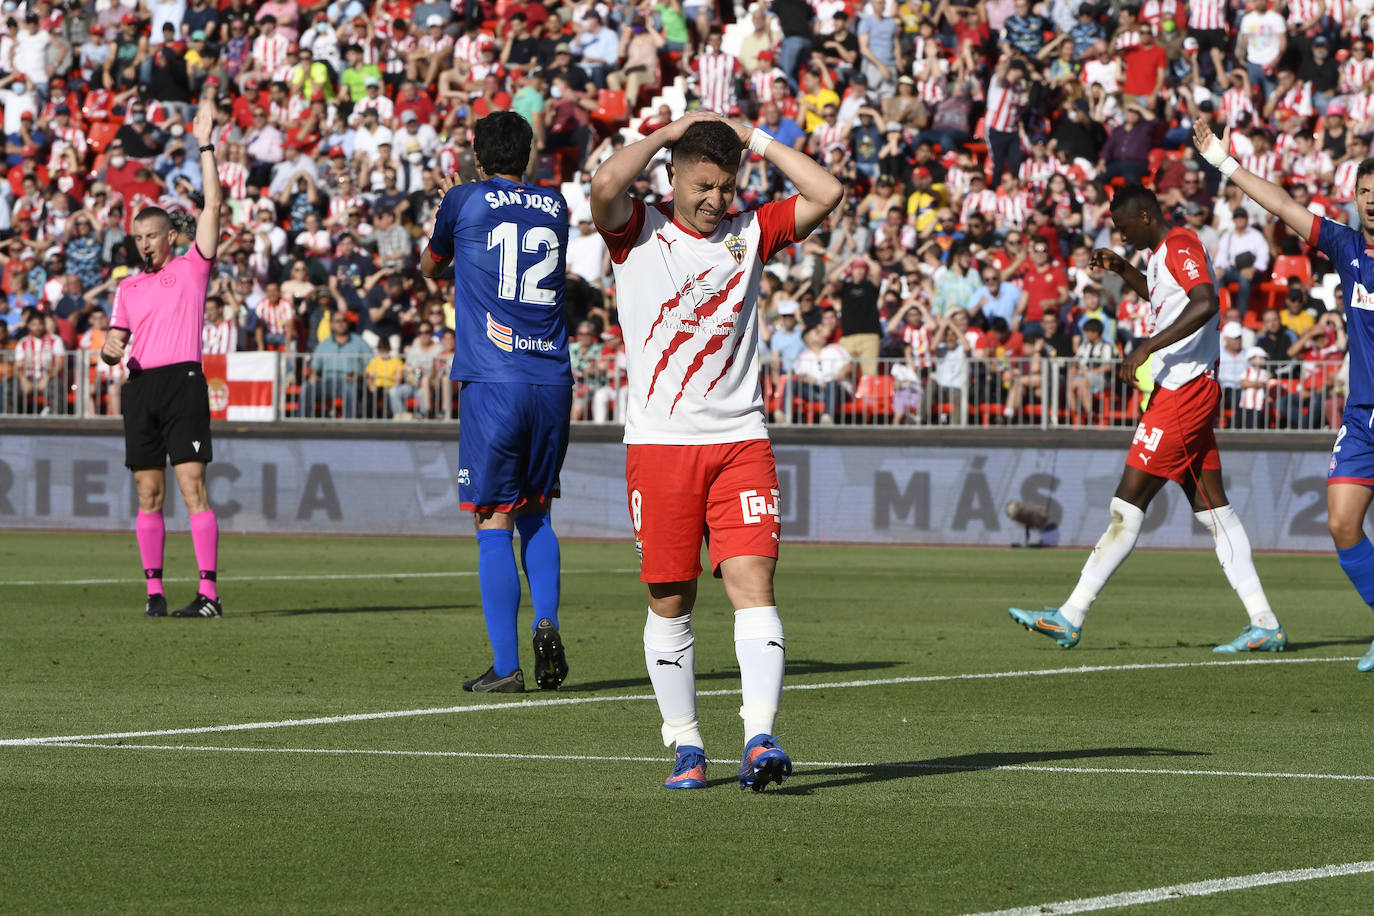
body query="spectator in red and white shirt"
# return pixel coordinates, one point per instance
(1311, 166)
(1236, 101)
(1357, 69)
(269, 50)
(40, 363)
(276, 320)
(978, 199)
(715, 74)
(1292, 94)
(432, 53)
(220, 334)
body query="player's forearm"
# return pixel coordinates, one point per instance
(1197, 313)
(1136, 281)
(1274, 199)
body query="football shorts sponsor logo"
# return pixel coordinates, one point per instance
(464, 476)
(506, 339)
(1147, 439)
(755, 507)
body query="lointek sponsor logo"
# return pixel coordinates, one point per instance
(506, 339)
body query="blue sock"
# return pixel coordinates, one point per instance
(543, 564)
(500, 584)
(1358, 563)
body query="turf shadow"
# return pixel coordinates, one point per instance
(357, 609)
(961, 763)
(799, 666)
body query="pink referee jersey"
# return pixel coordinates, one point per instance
(164, 311)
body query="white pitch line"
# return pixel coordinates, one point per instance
(813, 764)
(451, 574)
(622, 698)
(1179, 891)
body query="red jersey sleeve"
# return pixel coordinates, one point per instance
(1186, 261)
(777, 227)
(621, 241)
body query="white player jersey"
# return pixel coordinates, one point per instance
(687, 308)
(1179, 264)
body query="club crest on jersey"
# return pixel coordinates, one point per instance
(737, 247)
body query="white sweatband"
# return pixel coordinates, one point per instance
(758, 141)
(1223, 161)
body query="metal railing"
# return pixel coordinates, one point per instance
(1025, 392)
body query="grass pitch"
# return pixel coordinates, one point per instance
(917, 788)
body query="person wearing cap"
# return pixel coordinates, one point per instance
(1252, 409)
(433, 50)
(376, 101)
(1232, 364)
(1195, 218)
(782, 339)
(1333, 139)
(1319, 70)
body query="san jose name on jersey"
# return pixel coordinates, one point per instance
(509, 245)
(688, 311)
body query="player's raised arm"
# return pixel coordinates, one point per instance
(818, 191)
(1265, 193)
(203, 128)
(611, 205)
(432, 264)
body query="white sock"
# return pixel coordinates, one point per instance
(1111, 551)
(1233, 550)
(670, 654)
(761, 650)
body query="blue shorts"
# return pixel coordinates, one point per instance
(512, 438)
(1352, 457)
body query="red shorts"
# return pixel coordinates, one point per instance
(1176, 437)
(679, 494)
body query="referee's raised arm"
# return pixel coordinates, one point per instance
(202, 128)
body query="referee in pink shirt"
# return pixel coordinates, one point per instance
(157, 317)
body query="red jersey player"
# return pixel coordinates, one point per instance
(699, 460)
(1175, 440)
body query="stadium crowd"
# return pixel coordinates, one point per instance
(979, 143)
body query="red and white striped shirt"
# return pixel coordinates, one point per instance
(716, 80)
(396, 51)
(934, 89)
(956, 182)
(283, 73)
(277, 316)
(1336, 9)
(1286, 146)
(1343, 185)
(1265, 165)
(1355, 73)
(269, 51)
(1011, 209)
(290, 113)
(1311, 169)
(1004, 106)
(1300, 11)
(1205, 15)
(1234, 103)
(1254, 398)
(72, 136)
(1360, 107)
(1299, 98)
(340, 205)
(36, 357)
(1154, 12)
(234, 177)
(984, 202)
(919, 341)
(1035, 175)
(468, 48)
(1125, 40)
(761, 84)
(827, 135)
(444, 44)
(220, 337)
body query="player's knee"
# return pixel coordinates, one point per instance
(1346, 531)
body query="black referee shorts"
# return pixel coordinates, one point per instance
(166, 416)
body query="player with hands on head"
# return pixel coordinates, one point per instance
(511, 240)
(698, 457)
(156, 321)
(1175, 439)
(1350, 474)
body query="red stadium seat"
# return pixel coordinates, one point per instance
(1285, 266)
(101, 133)
(611, 111)
(873, 399)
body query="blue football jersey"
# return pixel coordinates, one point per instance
(509, 246)
(1355, 266)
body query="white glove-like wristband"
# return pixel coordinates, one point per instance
(758, 141)
(1223, 161)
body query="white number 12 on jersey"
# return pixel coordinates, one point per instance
(503, 237)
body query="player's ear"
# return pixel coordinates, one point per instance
(672, 172)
